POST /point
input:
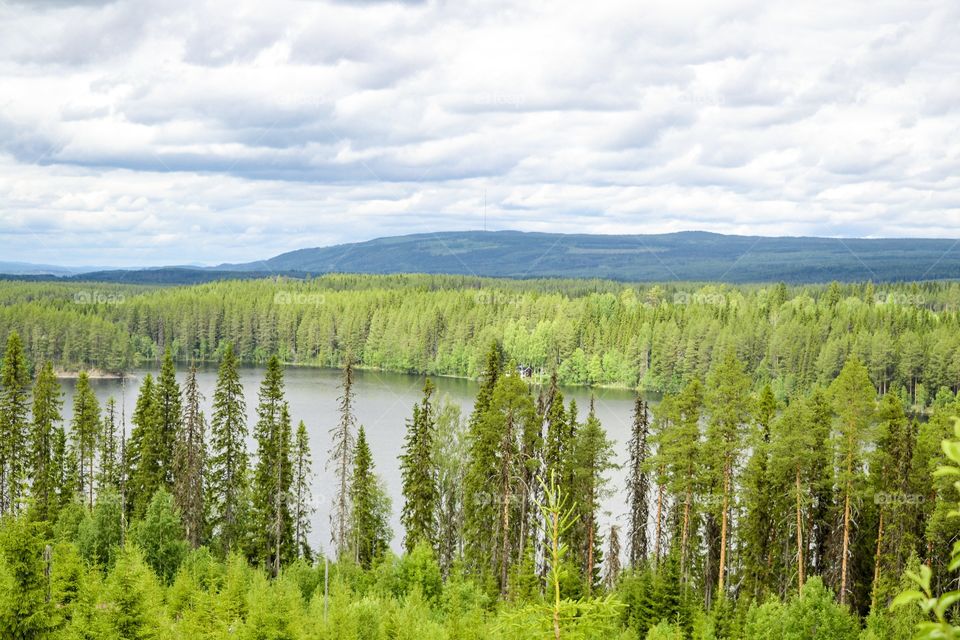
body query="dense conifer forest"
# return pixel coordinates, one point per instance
(796, 480)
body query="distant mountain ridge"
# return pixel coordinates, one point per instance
(684, 256)
(687, 255)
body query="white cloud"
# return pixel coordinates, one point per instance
(168, 132)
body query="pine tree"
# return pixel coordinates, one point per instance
(728, 401)
(14, 403)
(853, 398)
(144, 457)
(341, 455)
(190, 462)
(227, 470)
(302, 500)
(273, 473)
(85, 433)
(169, 409)
(108, 453)
(638, 483)
(684, 451)
(370, 508)
(793, 467)
(418, 475)
(43, 472)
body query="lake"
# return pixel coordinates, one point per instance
(384, 402)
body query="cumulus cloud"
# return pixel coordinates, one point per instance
(154, 132)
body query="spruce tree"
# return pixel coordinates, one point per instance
(85, 433)
(418, 475)
(44, 429)
(169, 409)
(302, 499)
(227, 470)
(638, 483)
(14, 404)
(26, 612)
(340, 459)
(369, 524)
(479, 501)
(593, 456)
(190, 462)
(144, 457)
(273, 473)
(110, 465)
(759, 500)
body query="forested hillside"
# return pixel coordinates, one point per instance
(688, 255)
(657, 337)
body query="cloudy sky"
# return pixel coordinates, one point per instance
(183, 131)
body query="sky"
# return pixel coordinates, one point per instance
(191, 132)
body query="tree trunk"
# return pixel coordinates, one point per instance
(723, 529)
(846, 544)
(876, 562)
(656, 540)
(800, 562)
(684, 536)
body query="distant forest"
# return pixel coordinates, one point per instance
(590, 332)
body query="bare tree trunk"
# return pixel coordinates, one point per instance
(684, 535)
(800, 561)
(723, 528)
(656, 540)
(846, 545)
(876, 561)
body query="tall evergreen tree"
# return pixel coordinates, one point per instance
(227, 470)
(729, 407)
(369, 522)
(759, 500)
(419, 476)
(593, 456)
(853, 398)
(85, 433)
(638, 483)
(480, 504)
(340, 458)
(144, 457)
(169, 410)
(44, 429)
(110, 464)
(890, 473)
(450, 454)
(794, 471)
(302, 500)
(190, 460)
(14, 404)
(273, 474)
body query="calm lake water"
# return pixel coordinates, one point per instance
(384, 401)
